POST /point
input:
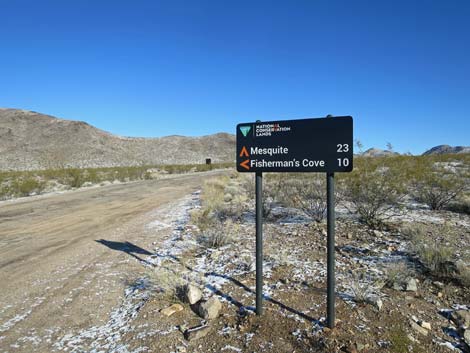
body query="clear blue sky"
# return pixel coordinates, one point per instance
(155, 68)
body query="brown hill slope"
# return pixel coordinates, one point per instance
(29, 140)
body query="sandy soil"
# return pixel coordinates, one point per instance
(66, 260)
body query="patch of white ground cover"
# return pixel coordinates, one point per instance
(7, 325)
(108, 337)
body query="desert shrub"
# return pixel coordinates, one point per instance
(308, 194)
(216, 206)
(396, 273)
(75, 177)
(218, 234)
(375, 190)
(460, 206)
(429, 247)
(273, 192)
(92, 176)
(363, 286)
(248, 183)
(463, 271)
(274, 189)
(202, 218)
(212, 196)
(437, 187)
(26, 186)
(400, 342)
(169, 283)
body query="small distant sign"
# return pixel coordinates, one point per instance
(306, 145)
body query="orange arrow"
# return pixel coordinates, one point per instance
(244, 152)
(245, 165)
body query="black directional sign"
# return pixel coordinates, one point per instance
(306, 145)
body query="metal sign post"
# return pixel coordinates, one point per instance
(259, 243)
(330, 240)
(306, 145)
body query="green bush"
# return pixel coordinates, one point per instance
(437, 187)
(75, 177)
(26, 186)
(375, 189)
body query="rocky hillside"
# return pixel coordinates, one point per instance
(377, 152)
(29, 140)
(444, 149)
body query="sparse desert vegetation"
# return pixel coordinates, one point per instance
(402, 264)
(402, 277)
(19, 184)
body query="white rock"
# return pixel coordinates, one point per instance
(418, 328)
(411, 285)
(192, 294)
(425, 325)
(466, 336)
(375, 301)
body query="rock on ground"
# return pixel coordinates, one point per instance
(196, 332)
(172, 309)
(192, 294)
(209, 309)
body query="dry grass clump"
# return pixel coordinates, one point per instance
(400, 341)
(397, 272)
(463, 270)
(221, 198)
(222, 204)
(219, 234)
(168, 283)
(433, 247)
(363, 286)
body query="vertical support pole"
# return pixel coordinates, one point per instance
(330, 213)
(259, 243)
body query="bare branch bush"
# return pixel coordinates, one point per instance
(437, 187)
(375, 190)
(307, 193)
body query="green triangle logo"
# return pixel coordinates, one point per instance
(245, 130)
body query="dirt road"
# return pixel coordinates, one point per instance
(65, 260)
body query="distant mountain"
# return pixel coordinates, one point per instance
(377, 152)
(29, 140)
(445, 149)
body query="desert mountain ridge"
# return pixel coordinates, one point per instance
(31, 141)
(446, 149)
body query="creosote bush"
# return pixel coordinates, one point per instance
(27, 186)
(307, 193)
(375, 190)
(436, 186)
